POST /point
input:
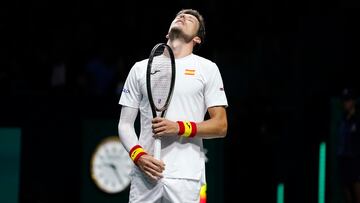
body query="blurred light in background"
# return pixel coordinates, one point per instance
(10, 141)
(322, 172)
(280, 193)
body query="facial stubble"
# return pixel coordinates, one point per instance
(178, 33)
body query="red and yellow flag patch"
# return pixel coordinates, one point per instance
(189, 72)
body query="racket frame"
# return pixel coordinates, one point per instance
(154, 109)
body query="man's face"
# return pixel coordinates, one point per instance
(185, 25)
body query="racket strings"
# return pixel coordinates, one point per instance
(160, 79)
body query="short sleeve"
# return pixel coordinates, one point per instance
(214, 89)
(130, 95)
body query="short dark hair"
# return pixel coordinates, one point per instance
(201, 30)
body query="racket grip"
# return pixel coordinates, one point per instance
(157, 148)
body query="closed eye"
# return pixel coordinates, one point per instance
(191, 20)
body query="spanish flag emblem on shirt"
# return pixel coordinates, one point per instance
(189, 72)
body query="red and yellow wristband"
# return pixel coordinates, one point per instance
(187, 128)
(136, 152)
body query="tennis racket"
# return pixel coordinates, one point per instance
(160, 81)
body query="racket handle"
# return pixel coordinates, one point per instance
(157, 148)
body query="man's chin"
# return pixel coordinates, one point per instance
(177, 33)
(176, 29)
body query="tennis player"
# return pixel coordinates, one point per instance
(178, 176)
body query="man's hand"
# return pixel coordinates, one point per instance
(152, 167)
(163, 127)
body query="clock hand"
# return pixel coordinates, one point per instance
(113, 166)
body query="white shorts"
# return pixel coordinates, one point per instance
(166, 190)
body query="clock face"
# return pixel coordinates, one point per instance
(111, 166)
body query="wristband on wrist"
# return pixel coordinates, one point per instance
(136, 152)
(187, 128)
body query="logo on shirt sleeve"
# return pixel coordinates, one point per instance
(126, 90)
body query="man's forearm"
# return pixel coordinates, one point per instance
(126, 128)
(212, 128)
(215, 127)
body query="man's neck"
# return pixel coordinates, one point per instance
(180, 48)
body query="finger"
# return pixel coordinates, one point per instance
(150, 175)
(153, 165)
(156, 125)
(159, 164)
(159, 130)
(157, 120)
(153, 172)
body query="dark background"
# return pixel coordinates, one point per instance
(281, 63)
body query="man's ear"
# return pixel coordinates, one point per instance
(197, 40)
(167, 36)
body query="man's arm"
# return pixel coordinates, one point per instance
(147, 163)
(126, 128)
(215, 127)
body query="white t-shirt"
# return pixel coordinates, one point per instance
(198, 86)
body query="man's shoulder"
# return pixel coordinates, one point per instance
(207, 65)
(203, 60)
(140, 65)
